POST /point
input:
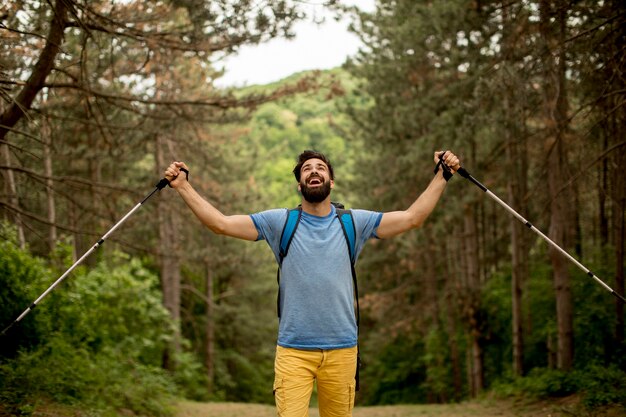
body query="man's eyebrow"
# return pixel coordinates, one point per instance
(317, 164)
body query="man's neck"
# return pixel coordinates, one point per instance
(320, 209)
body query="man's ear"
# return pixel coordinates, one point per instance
(332, 184)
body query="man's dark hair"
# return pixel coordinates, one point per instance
(309, 154)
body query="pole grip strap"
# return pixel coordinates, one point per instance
(447, 174)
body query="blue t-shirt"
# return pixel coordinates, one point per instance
(316, 290)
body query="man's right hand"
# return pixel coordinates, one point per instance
(174, 175)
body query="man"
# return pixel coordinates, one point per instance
(317, 334)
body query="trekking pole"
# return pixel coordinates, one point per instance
(463, 172)
(159, 186)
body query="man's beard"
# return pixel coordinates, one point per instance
(316, 194)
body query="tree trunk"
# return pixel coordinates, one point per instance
(516, 157)
(209, 360)
(453, 345)
(47, 162)
(519, 255)
(169, 258)
(451, 270)
(619, 204)
(11, 192)
(620, 231)
(561, 223)
(611, 113)
(472, 306)
(551, 351)
(428, 253)
(560, 233)
(603, 190)
(10, 188)
(516, 185)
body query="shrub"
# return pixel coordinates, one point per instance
(603, 386)
(597, 385)
(96, 341)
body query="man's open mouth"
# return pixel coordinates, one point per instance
(315, 181)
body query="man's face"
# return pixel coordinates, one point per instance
(315, 183)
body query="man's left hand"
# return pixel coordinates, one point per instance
(450, 159)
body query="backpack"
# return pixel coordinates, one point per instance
(349, 232)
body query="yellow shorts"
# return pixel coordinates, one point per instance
(296, 371)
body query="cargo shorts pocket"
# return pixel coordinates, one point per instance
(279, 395)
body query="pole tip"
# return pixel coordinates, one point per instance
(6, 329)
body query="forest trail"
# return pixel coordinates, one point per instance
(486, 408)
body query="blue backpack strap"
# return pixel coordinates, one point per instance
(349, 231)
(289, 229)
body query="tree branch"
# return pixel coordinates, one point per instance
(42, 68)
(223, 102)
(67, 179)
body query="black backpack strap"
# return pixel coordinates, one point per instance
(289, 229)
(349, 232)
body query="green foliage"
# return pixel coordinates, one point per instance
(595, 319)
(190, 377)
(247, 380)
(115, 303)
(457, 74)
(539, 308)
(96, 341)
(496, 305)
(280, 131)
(396, 374)
(602, 385)
(549, 383)
(439, 381)
(69, 374)
(464, 76)
(598, 385)
(19, 275)
(246, 338)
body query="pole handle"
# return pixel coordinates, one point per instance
(463, 172)
(164, 181)
(447, 173)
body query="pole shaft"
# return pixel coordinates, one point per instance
(159, 186)
(468, 176)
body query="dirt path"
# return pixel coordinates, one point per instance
(487, 408)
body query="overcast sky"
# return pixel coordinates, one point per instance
(314, 47)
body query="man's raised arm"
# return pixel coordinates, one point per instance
(395, 222)
(239, 226)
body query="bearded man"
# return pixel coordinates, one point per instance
(317, 335)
